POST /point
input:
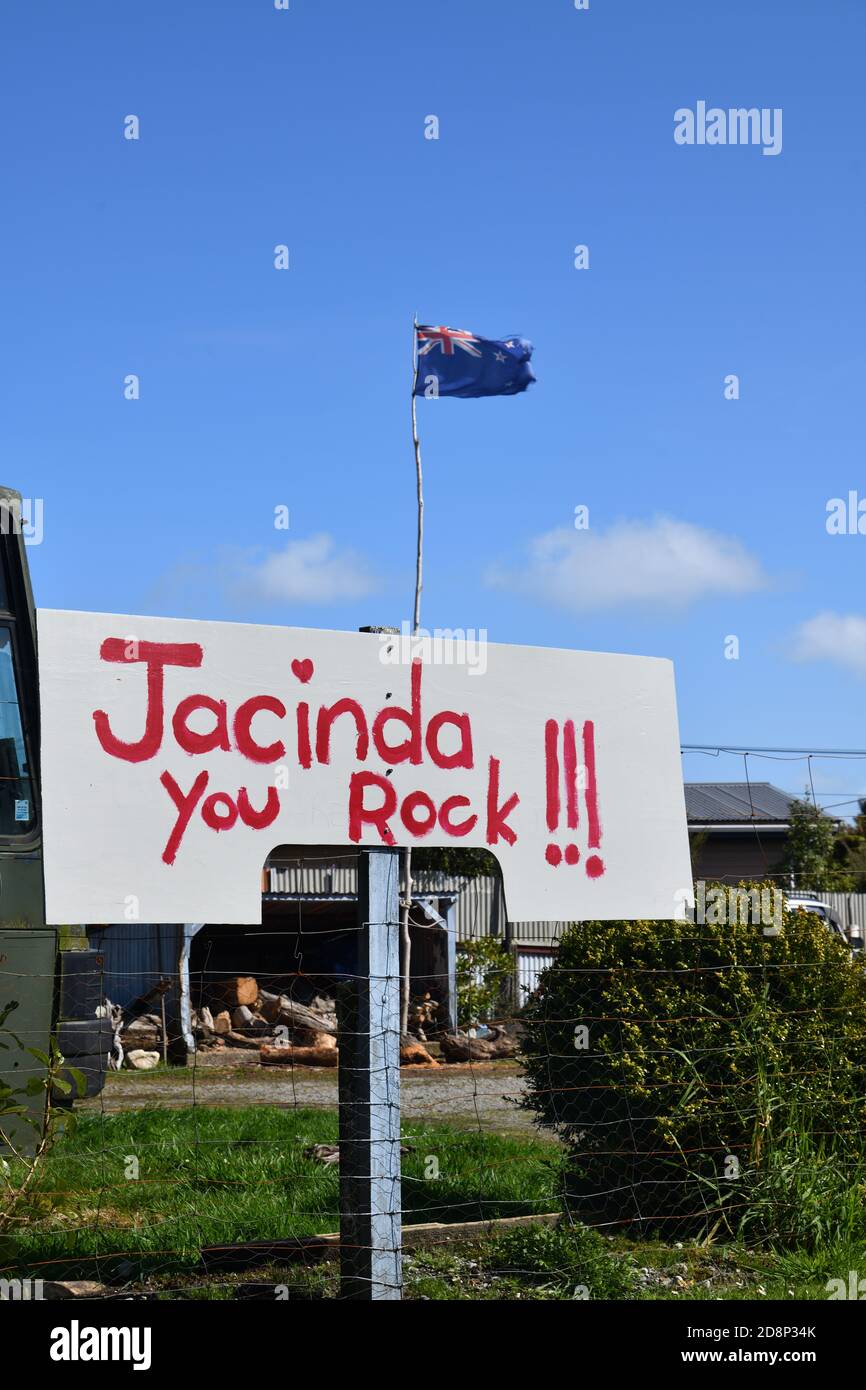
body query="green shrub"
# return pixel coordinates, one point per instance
(675, 1102)
(572, 1260)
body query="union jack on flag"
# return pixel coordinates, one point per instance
(446, 339)
(452, 362)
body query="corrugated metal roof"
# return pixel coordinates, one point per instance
(728, 803)
(478, 908)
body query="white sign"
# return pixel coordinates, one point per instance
(177, 755)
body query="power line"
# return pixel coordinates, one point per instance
(801, 752)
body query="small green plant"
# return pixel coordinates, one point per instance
(484, 969)
(17, 1175)
(569, 1260)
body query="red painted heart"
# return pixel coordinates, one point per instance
(303, 670)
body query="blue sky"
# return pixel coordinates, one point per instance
(262, 388)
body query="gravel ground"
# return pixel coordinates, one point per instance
(477, 1096)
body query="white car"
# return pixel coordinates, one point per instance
(822, 910)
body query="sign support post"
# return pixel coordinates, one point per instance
(369, 1090)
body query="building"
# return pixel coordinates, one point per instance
(737, 830)
(305, 944)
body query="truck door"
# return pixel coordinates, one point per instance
(31, 958)
(28, 949)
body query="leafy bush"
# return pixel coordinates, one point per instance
(817, 850)
(447, 859)
(666, 1056)
(484, 969)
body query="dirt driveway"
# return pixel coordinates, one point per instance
(477, 1096)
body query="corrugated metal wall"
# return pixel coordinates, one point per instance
(135, 956)
(479, 910)
(317, 878)
(529, 966)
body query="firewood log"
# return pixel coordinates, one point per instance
(413, 1054)
(240, 1040)
(268, 1005)
(240, 989)
(245, 1021)
(458, 1047)
(281, 1009)
(318, 1056)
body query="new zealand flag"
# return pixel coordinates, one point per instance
(452, 362)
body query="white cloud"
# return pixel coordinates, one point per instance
(659, 562)
(835, 637)
(312, 570)
(306, 571)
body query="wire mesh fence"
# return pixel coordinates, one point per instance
(667, 1082)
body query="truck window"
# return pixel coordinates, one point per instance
(17, 811)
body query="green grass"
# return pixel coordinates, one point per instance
(212, 1176)
(208, 1176)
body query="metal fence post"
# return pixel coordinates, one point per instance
(369, 1089)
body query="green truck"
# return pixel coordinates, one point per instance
(47, 973)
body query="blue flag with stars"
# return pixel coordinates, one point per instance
(452, 362)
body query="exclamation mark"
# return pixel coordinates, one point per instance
(554, 854)
(551, 759)
(594, 862)
(569, 751)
